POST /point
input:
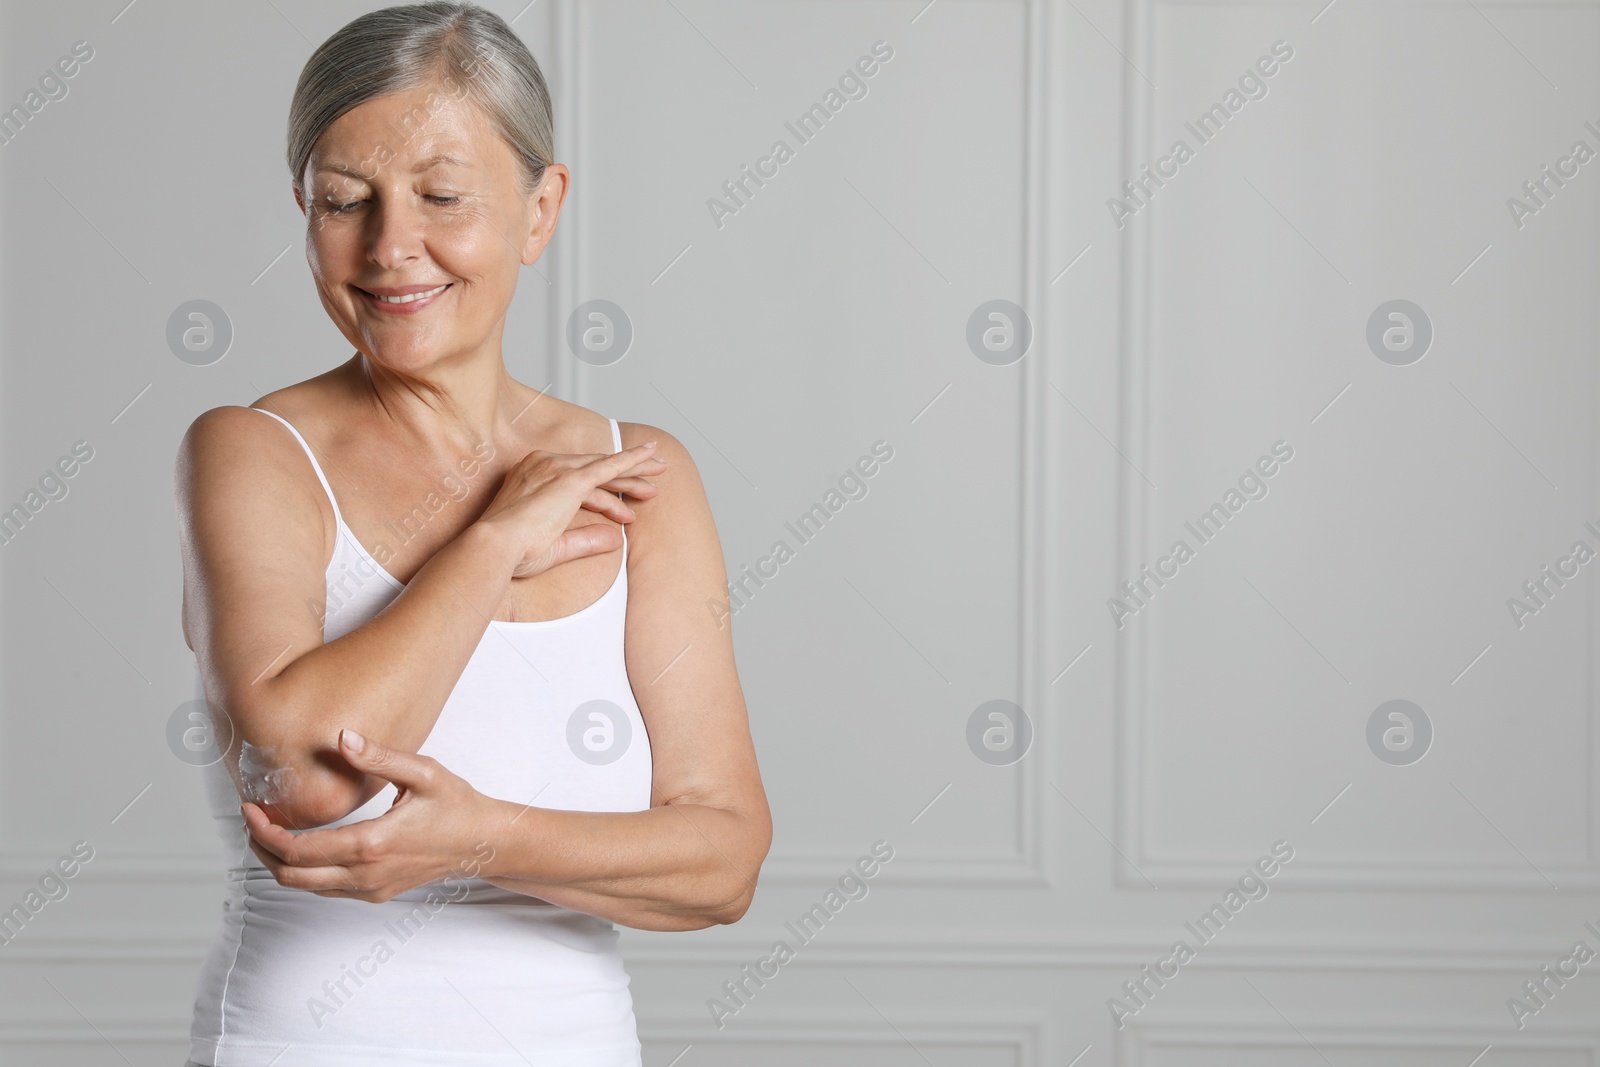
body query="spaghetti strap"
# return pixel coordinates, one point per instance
(616, 446)
(315, 466)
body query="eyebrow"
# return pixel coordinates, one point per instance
(422, 165)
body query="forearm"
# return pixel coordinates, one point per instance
(387, 679)
(673, 867)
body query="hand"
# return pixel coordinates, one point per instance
(544, 490)
(427, 833)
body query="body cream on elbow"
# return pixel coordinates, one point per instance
(263, 781)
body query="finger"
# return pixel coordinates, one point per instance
(658, 462)
(287, 869)
(371, 896)
(266, 833)
(637, 455)
(309, 848)
(292, 877)
(405, 769)
(629, 459)
(326, 881)
(608, 504)
(297, 877)
(610, 469)
(268, 860)
(633, 486)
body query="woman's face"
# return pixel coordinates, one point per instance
(413, 191)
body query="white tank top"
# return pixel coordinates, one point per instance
(459, 972)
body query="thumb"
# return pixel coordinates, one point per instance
(394, 765)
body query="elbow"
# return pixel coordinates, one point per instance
(295, 798)
(283, 762)
(741, 891)
(731, 912)
(300, 808)
(298, 787)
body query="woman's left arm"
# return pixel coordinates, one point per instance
(690, 860)
(687, 862)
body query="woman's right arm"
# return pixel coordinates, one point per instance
(255, 549)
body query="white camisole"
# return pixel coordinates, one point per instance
(458, 972)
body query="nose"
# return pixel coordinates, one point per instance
(395, 235)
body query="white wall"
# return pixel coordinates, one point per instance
(1230, 312)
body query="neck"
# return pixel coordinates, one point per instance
(452, 408)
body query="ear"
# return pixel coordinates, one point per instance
(544, 206)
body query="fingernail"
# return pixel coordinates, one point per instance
(649, 444)
(353, 739)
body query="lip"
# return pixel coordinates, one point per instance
(370, 297)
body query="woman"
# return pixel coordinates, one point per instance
(454, 633)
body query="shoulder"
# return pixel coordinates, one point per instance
(236, 439)
(248, 437)
(678, 518)
(668, 447)
(681, 477)
(231, 429)
(238, 460)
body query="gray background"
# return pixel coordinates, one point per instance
(1229, 313)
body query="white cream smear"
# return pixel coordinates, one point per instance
(262, 781)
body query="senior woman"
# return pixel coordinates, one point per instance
(463, 733)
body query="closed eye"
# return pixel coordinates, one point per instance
(347, 206)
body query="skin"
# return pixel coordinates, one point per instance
(536, 535)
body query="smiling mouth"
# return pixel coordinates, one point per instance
(409, 297)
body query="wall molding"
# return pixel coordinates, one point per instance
(1134, 725)
(910, 948)
(816, 873)
(1132, 1042)
(801, 1029)
(1026, 868)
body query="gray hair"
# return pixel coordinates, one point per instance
(404, 47)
